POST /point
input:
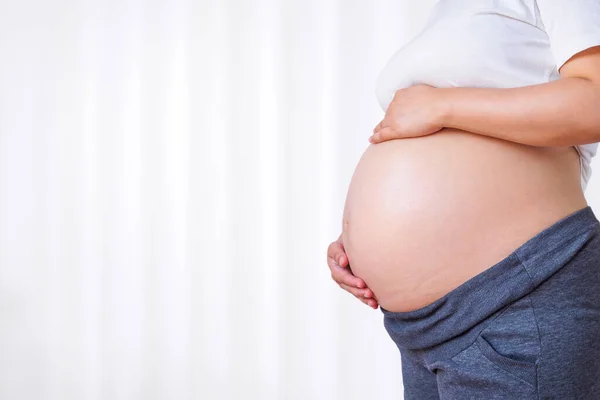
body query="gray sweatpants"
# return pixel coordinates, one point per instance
(526, 328)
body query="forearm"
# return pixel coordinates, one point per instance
(564, 112)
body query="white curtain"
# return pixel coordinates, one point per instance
(171, 174)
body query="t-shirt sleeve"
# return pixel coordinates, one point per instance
(572, 26)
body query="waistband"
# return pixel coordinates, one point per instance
(484, 294)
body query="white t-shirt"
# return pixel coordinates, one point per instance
(495, 43)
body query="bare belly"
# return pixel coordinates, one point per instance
(423, 215)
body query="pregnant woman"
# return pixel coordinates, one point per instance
(465, 219)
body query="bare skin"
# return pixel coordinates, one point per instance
(337, 260)
(423, 215)
(410, 244)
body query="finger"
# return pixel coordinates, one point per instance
(337, 260)
(342, 259)
(362, 292)
(344, 275)
(355, 291)
(378, 126)
(383, 134)
(370, 302)
(352, 280)
(337, 253)
(334, 248)
(383, 124)
(367, 293)
(364, 301)
(341, 256)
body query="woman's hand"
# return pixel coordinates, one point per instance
(414, 111)
(341, 274)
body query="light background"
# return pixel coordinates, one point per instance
(171, 174)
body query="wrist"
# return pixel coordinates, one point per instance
(443, 107)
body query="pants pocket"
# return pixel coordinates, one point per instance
(502, 361)
(525, 370)
(512, 342)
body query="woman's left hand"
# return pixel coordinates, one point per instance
(414, 111)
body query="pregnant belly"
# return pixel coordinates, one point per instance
(423, 215)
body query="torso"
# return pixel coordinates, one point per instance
(423, 215)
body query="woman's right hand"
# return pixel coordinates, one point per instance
(343, 276)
